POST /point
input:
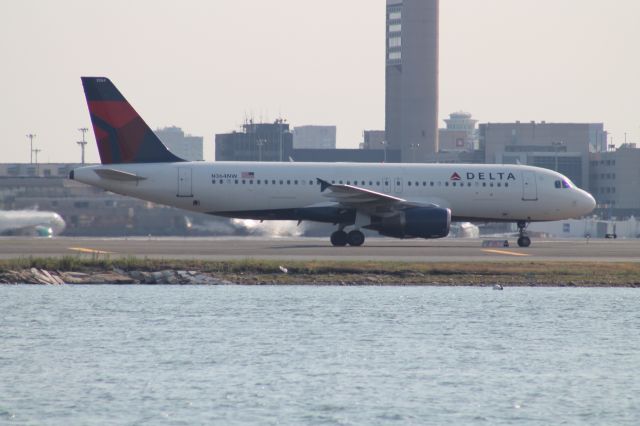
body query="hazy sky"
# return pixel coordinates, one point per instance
(205, 65)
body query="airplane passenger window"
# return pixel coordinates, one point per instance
(250, 182)
(221, 181)
(409, 183)
(370, 183)
(295, 182)
(446, 184)
(243, 182)
(506, 184)
(499, 185)
(484, 184)
(273, 182)
(310, 182)
(281, 182)
(454, 184)
(288, 182)
(236, 181)
(386, 183)
(377, 183)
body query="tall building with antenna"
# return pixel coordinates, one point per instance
(411, 116)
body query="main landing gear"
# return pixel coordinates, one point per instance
(340, 238)
(523, 240)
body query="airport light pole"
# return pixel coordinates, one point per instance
(31, 136)
(279, 121)
(82, 143)
(260, 143)
(36, 152)
(556, 146)
(384, 147)
(414, 147)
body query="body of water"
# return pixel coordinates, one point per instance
(318, 355)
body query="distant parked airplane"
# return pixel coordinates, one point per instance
(396, 200)
(30, 222)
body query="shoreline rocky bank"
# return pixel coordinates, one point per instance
(283, 276)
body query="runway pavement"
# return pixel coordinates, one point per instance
(447, 250)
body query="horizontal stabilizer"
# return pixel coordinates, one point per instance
(113, 174)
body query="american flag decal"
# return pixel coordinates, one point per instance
(248, 175)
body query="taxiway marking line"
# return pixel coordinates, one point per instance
(88, 250)
(510, 253)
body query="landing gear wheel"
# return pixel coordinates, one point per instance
(339, 239)
(355, 238)
(524, 241)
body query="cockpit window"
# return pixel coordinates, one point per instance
(563, 184)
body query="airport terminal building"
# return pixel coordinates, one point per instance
(564, 147)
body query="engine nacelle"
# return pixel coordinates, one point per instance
(417, 222)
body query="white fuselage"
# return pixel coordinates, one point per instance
(471, 191)
(20, 220)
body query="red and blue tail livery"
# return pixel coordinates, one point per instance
(121, 134)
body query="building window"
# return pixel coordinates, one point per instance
(395, 42)
(395, 56)
(395, 28)
(395, 16)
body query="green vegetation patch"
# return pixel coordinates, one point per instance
(252, 271)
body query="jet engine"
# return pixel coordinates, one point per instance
(417, 222)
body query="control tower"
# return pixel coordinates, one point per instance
(411, 116)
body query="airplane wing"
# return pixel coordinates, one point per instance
(350, 196)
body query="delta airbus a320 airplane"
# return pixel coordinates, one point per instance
(396, 200)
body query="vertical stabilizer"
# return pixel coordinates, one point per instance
(121, 134)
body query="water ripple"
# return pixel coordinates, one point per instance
(318, 355)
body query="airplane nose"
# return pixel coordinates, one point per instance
(587, 202)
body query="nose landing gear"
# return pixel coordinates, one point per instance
(354, 238)
(523, 240)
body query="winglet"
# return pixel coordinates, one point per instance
(323, 184)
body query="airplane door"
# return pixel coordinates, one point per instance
(529, 186)
(397, 185)
(185, 186)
